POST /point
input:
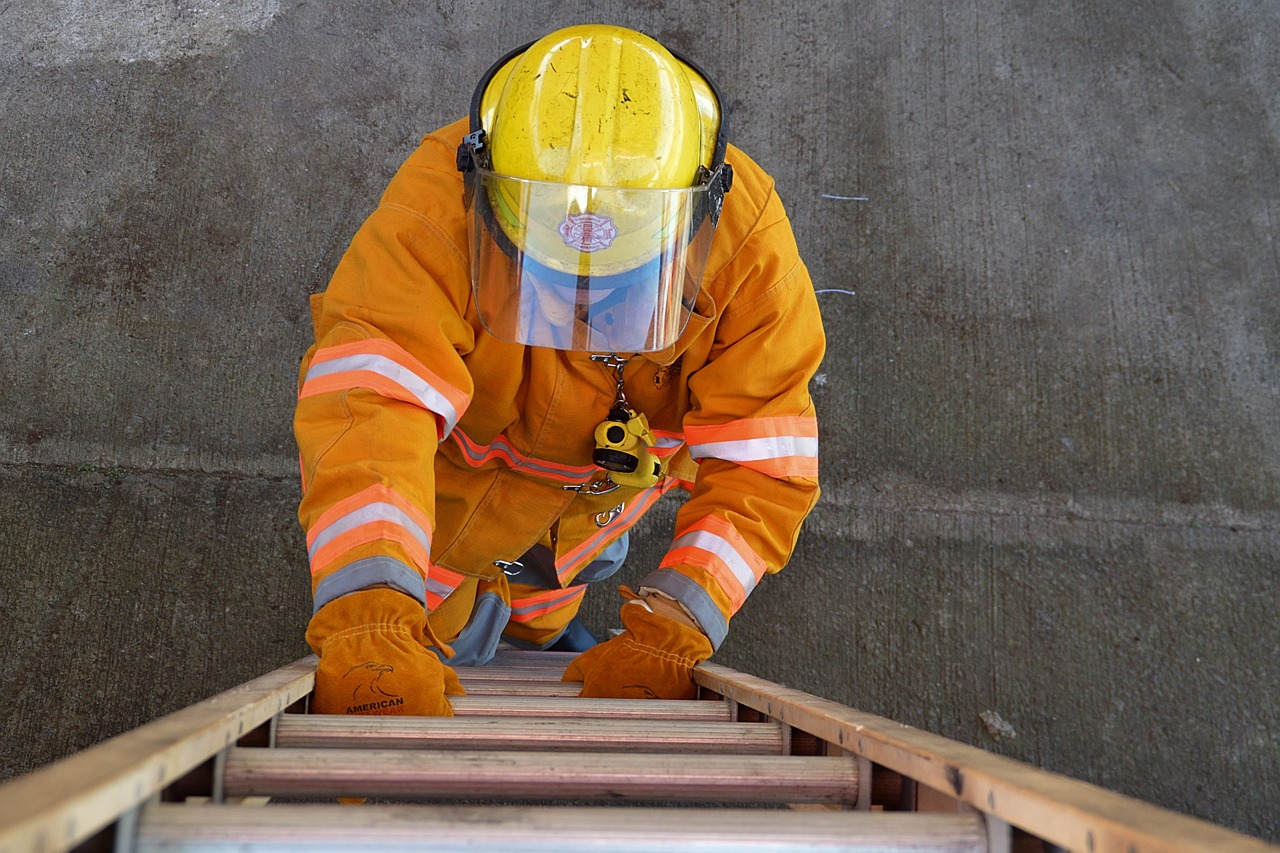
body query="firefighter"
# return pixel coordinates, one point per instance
(565, 306)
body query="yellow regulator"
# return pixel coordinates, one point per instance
(622, 449)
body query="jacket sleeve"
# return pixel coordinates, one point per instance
(382, 385)
(752, 430)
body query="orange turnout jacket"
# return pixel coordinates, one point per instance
(457, 468)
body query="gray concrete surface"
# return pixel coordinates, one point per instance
(1051, 408)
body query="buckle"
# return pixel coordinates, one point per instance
(472, 152)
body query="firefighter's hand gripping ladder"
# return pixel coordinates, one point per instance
(525, 765)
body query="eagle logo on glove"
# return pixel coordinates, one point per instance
(367, 695)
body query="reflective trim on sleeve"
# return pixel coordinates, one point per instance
(695, 599)
(715, 545)
(366, 573)
(377, 512)
(530, 607)
(500, 449)
(776, 447)
(387, 368)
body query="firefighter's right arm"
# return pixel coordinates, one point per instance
(382, 386)
(384, 383)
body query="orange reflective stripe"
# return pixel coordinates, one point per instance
(571, 561)
(377, 512)
(530, 607)
(322, 558)
(387, 368)
(777, 447)
(502, 451)
(715, 545)
(749, 428)
(440, 584)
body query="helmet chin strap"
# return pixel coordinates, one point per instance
(582, 299)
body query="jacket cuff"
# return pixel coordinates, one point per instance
(694, 598)
(367, 572)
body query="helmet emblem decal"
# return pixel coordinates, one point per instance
(588, 232)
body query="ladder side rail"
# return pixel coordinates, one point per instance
(67, 802)
(1063, 811)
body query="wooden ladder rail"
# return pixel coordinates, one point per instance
(94, 795)
(1054, 811)
(511, 739)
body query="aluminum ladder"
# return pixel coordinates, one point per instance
(526, 765)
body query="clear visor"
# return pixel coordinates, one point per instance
(592, 269)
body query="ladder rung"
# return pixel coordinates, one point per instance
(486, 687)
(315, 730)
(511, 672)
(470, 774)
(102, 796)
(498, 829)
(524, 657)
(560, 706)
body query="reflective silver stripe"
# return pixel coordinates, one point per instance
(549, 604)
(365, 573)
(754, 449)
(438, 588)
(720, 547)
(503, 450)
(378, 511)
(422, 391)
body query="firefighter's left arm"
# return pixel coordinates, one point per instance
(753, 431)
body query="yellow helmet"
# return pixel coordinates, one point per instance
(596, 174)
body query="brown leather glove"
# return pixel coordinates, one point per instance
(375, 658)
(652, 659)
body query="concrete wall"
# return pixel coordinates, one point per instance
(1051, 407)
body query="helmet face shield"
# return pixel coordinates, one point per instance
(586, 268)
(591, 216)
